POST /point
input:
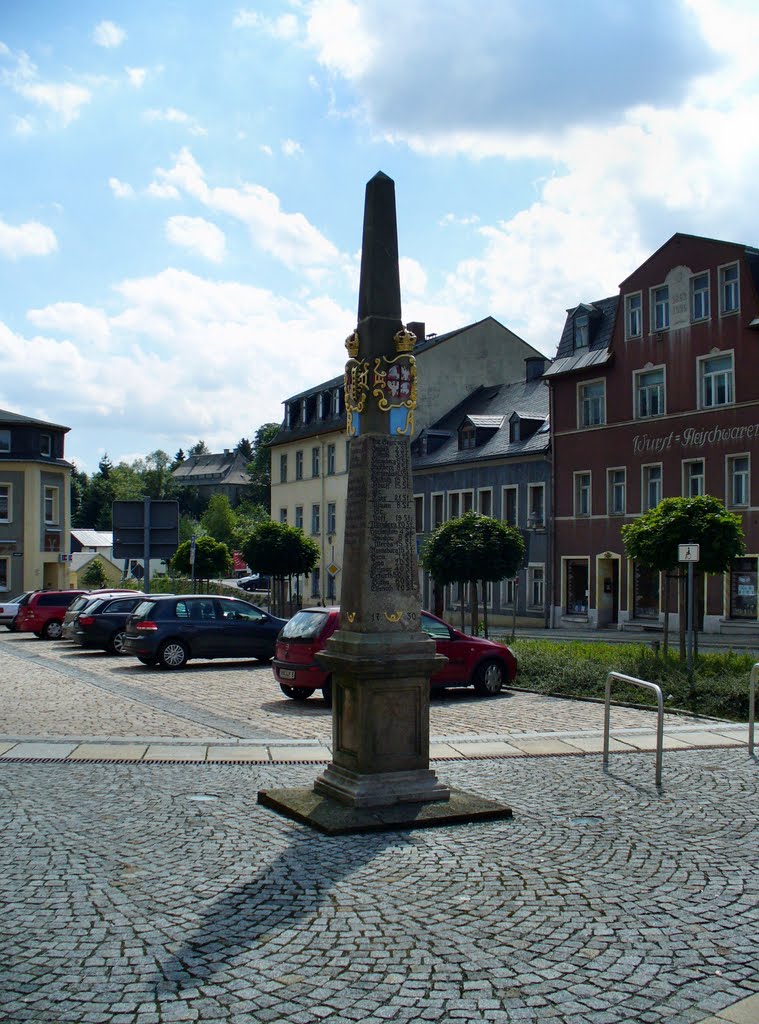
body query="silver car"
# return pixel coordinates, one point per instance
(9, 609)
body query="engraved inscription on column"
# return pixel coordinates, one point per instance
(392, 563)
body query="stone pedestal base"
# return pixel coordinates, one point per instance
(380, 789)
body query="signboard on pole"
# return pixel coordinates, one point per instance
(688, 552)
(134, 522)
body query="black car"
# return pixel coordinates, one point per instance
(254, 582)
(101, 623)
(85, 601)
(167, 631)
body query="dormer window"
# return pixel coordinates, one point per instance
(303, 411)
(467, 436)
(581, 331)
(46, 444)
(5, 440)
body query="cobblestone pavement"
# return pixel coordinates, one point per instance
(56, 689)
(154, 894)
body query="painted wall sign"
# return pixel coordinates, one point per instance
(693, 437)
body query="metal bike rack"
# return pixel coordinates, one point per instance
(632, 681)
(751, 706)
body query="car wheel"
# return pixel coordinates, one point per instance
(116, 643)
(327, 693)
(145, 661)
(295, 692)
(173, 654)
(489, 678)
(52, 630)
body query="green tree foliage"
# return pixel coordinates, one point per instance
(653, 538)
(199, 448)
(94, 574)
(245, 448)
(258, 491)
(472, 549)
(219, 520)
(248, 517)
(279, 550)
(79, 485)
(212, 559)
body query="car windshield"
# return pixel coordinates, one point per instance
(82, 602)
(304, 626)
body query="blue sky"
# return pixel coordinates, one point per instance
(182, 185)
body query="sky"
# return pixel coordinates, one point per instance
(182, 185)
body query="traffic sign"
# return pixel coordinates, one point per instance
(688, 552)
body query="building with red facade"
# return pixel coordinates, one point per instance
(654, 393)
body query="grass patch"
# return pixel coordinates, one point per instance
(576, 669)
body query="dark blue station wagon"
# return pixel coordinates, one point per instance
(169, 630)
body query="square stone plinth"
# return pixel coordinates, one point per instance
(333, 818)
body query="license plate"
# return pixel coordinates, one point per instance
(287, 673)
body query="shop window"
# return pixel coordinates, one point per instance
(743, 585)
(576, 587)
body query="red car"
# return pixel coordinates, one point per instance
(43, 613)
(472, 661)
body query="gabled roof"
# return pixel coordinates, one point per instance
(748, 249)
(225, 468)
(492, 405)
(487, 422)
(93, 538)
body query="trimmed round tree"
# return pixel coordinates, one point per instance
(212, 559)
(280, 551)
(471, 549)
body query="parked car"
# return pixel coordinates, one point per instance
(168, 631)
(472, 661)
(254, 582)
(85, 600)
(43, 612)
(9, 609)
(101, 623)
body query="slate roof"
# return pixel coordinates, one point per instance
(497, 402)
(225, 468)
(28, 421)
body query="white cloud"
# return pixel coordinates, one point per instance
(266, 150)
(22, 126)
(64, 99)
(173, 116)
(137, 76)
(29, 239)
(413, 276)
(72, 318)
(158, 191)
(284, 27)
(291, 148)
(199, 235)
(287, 236)
(121, 189)
(108, 34)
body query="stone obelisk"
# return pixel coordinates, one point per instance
(380, 660)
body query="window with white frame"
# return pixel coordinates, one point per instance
(485, 502)
(649, 393)
(299, 465)
(331, 517)
(652, 486)
(536, 505)
(419, 513)
(5, 572)
(467, 501)
(582, 494)
(716, 380)
(617, 491)
(454, 505)
(46, 444)
(535, 586)
(316, 524)
(699, 297)
(283, 469)
(5, 440)
(283, 515)
(729, 289)
(634, 315)
(509, 508)
(330, 460)
(738, 478)
(660, 308)
(508, 592)
(592, 403)
(438, 510)
(299, 517)
(5, 503)
(315, 452)
(693, 478)
(50, 501)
